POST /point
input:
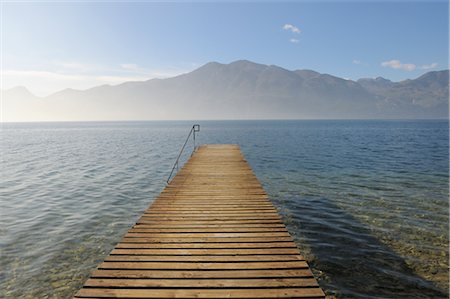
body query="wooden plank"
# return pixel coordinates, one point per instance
(201, 293)
(270, 251)
(202, 258)
(143, 229)
(197, 245)
(207, 222)
(202, 283)
(192, 274)
(219, 225)
(212, 199)
(155, 239)
(210, 213)
(212, 210)
(211, 233)
(204, 265)
(212, 219)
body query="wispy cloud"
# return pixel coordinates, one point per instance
(69, 66)
(43, 83)
(396, 64)
(429, 66)
(294, 40)
(61, 75)
(134, 69)
(356, 61)
(129, 66)
(292, 28)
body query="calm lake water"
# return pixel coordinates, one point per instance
(366, 201)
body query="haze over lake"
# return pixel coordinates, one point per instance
(341, 109)
(240, 90)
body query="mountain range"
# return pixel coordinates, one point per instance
(240, 90)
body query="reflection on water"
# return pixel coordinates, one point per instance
(350, 258)
(367, 201)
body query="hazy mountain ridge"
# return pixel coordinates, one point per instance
(239, 90)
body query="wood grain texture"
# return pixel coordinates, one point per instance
(211, 233)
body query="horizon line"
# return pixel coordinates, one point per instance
(227, 120)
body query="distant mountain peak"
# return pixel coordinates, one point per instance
(19, 88)
(381, 79)
(212, 64)
(241, 89)
(376, 85)
(245, 62)
(18, 91)
(246, 65)
(440, 75)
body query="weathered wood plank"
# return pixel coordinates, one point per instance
(241, 251)
(211, 233)
(132, 234)
(219, 225)
(206, 222)
(202, 258)
(288, 244)
(192, 274)
(202, 283)
(210, 213)
(154, 239)
(202, 293)
(199, 217)
(143, 229)
(204, 265)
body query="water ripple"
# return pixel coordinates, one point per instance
(366, 201)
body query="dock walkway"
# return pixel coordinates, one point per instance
(212, 233)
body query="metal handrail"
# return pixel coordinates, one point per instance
(194, 129)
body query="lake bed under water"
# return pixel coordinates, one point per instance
(366, 201)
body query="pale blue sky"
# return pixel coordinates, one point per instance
(48, 46)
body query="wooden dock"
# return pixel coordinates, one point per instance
(212, 233)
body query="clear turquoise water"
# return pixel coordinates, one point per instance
(367, 201)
